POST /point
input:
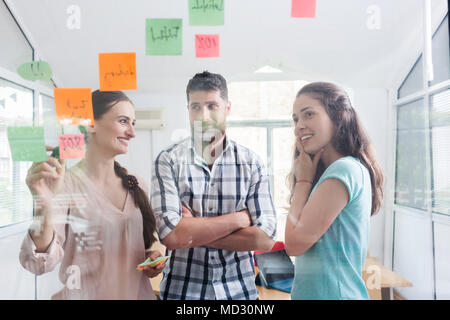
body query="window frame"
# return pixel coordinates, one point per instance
(424, 93)
(269, 125)
(37, 88)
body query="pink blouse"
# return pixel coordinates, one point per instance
(98, 245)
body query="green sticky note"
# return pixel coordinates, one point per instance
(154, 263)
(206, 12)
(36, 70)
(27, 143)
(163, 37)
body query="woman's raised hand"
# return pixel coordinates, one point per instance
(46, 179)
(305, 165)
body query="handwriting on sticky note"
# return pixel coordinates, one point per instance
(163, 37)
(71, 146)
(27, 143)
(206, 45)
(206, 12)
(117, 71)
(36, 70)
(303, 9)
(74, 106)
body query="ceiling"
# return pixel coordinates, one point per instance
(336, 45)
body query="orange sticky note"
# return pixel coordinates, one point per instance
(206, 45)
(303, 9)
(74, 106)
(71, 146)
(117, 71)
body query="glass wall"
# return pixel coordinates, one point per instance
(422, 184)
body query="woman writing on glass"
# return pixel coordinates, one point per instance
(95, 218)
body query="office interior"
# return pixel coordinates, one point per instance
(392, 57)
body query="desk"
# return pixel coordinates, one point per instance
(388, 279)
(272, 294)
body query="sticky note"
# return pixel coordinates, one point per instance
(303, 9)
(154, 263)
(206, 45)
(71, 146)
(36, 70)
(206, 12)
(163, 37)
(117, 71)
(27, 143)
(74, 106)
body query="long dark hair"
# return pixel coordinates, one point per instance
(102, 102)
(350, 138)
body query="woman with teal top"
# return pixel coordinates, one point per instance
(336, 187)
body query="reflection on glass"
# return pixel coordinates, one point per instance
(413, 81)
(48, 119)
(441, 53)
(16, 109)
(440, 143)
(411, 169)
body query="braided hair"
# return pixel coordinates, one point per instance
(102, 102)
(130, 183)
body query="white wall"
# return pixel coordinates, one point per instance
(372, 107)
(442, 252)
(413, 255)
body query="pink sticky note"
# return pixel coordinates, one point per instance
(206, 45)
(303, 9)
(71, 146)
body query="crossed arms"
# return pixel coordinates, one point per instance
(230, 231)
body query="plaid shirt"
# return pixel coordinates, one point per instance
(236, 182)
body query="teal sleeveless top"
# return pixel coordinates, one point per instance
(331, 269)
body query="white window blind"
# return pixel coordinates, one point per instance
(16, 109)
(440, 142)
(412, 133)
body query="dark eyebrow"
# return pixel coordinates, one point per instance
(305, 109)
(128, 118)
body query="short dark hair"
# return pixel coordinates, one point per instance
(207, 81)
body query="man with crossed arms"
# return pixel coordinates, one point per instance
(212, 202)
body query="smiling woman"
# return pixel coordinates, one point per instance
(95, 218)
(337, 186)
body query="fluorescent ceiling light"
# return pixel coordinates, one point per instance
(268, 69)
